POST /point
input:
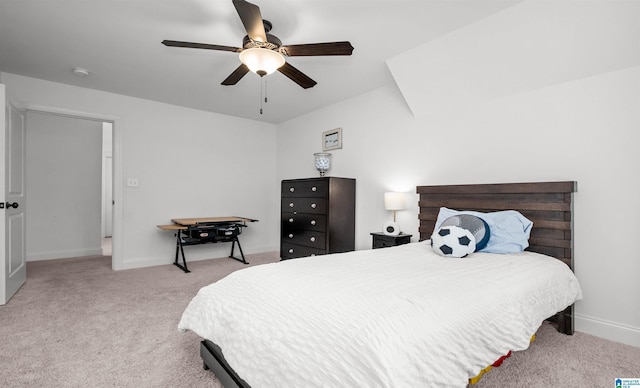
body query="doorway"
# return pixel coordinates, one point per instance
(107, 188)
(69, 176)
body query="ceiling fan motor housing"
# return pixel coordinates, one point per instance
(272, 43)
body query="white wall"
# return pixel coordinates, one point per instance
(528, 46)
(64, 185)
(583, 128)
(188, 163)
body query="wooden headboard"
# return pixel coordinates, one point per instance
(547, 204)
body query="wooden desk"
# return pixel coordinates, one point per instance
(208, 220)
(195, 231)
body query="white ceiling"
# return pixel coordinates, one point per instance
(118, 41)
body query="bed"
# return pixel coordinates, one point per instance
(394, 317)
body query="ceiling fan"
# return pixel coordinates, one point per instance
(264, 53)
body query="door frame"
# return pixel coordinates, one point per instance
(116, 239)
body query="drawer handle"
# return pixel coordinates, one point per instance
(313, 222)
(312, 239)
(290, 219)
(313, 205)
(314, 188)
(290, 235)
(290, 250)
(292, 189)
(291, 204)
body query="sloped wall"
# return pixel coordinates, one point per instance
(525, 47)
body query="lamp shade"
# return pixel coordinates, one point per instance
(261, 61)
(394, 201)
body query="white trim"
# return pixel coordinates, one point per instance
(72, 253)
(68, 112)
(613, 331)
(144, 262)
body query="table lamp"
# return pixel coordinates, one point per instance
(393, 201)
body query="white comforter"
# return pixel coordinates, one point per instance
(393, 317)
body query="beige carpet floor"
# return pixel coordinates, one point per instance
(77, 323)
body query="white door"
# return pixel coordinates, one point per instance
(12, 200)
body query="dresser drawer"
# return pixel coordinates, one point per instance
(292, 251)
(296, 222)
(307, 238)
(305, 188)
(304, 205)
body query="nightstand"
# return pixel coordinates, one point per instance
(381, 240)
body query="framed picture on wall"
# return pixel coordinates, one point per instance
(332, 139)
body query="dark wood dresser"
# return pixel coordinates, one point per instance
(318, 216)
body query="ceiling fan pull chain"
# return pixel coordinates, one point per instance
(261, 94)
(266, 88)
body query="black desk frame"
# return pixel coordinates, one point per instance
(196, 231)
(182, 240)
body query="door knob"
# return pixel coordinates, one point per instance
(13, 205)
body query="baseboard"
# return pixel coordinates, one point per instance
(612, 331)
(138, 263)
(150, 262)
(64, 254)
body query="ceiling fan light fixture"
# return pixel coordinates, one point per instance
(262, 61)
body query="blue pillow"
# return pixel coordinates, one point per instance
(510, 230)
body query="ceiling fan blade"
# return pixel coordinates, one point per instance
(175, 43)
(297, 76)
(237, 75)
(317, 49)
(251, 19)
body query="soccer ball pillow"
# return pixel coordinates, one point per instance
(476, 225)
(453, 241)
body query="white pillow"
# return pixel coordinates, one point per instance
(453, 241)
